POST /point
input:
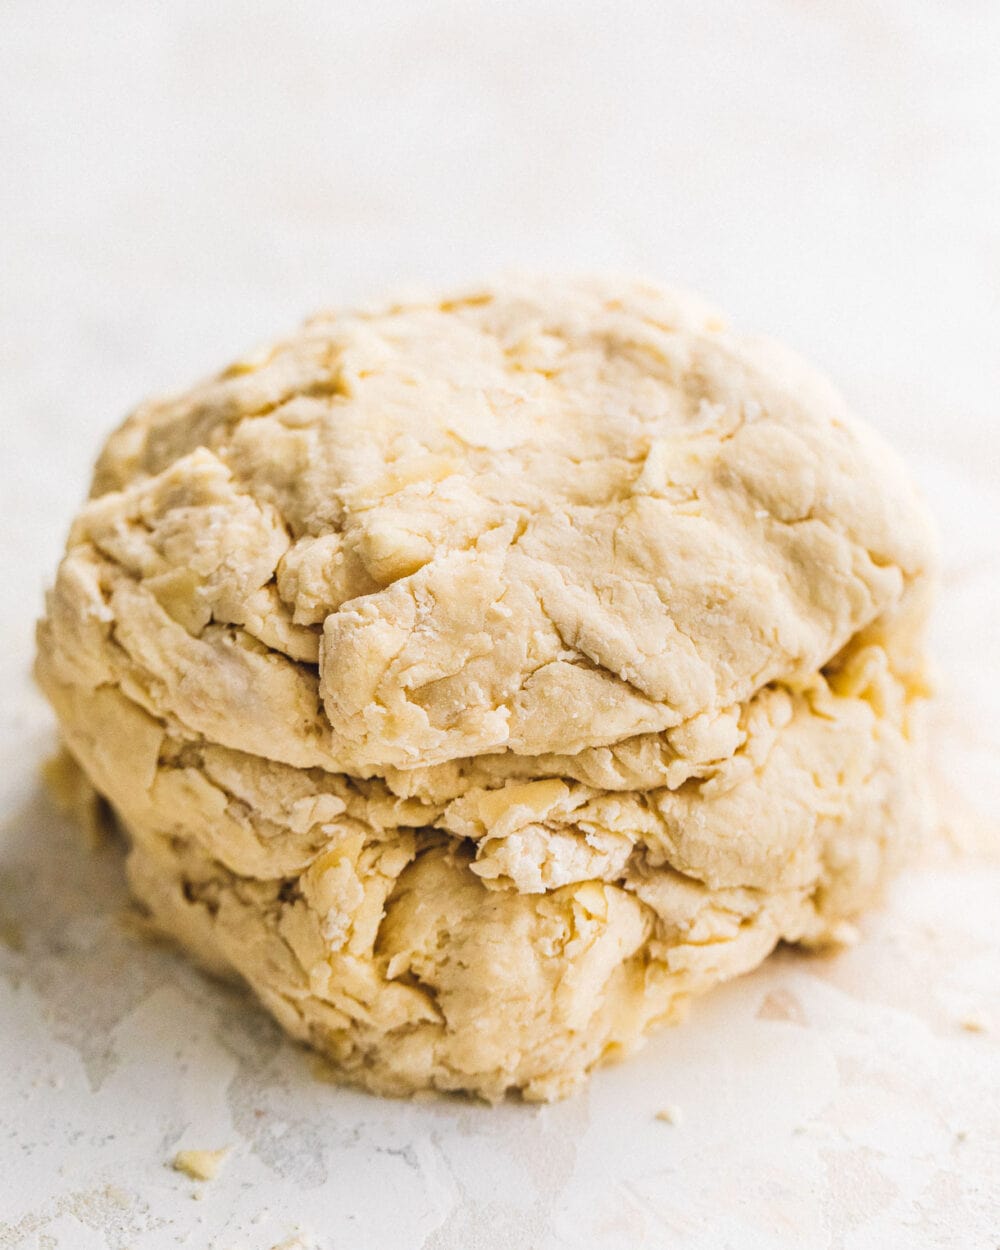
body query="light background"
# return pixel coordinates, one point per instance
(181, 180)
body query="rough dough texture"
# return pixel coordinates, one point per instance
(482, 678)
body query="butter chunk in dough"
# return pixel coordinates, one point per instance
(483, 678)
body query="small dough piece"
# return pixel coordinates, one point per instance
(481, 678)
(200, 1165)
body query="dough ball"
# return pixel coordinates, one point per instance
(482, 678)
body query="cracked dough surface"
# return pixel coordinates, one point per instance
(482, 678)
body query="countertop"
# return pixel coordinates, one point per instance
(183, 180)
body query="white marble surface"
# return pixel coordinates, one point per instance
(183, 179)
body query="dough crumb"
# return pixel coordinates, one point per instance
(671, 1114)
(973, 1022)
(200, 1165)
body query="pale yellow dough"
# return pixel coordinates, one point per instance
(200, 1165)
(482, 678)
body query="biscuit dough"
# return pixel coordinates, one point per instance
(482, 678)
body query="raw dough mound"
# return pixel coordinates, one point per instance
(482, 678)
